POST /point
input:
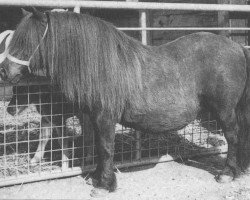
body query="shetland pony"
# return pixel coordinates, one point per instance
(55, 112)
(115, 78)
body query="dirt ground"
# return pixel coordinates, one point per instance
(191, 180)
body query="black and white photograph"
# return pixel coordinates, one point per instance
(125, 100)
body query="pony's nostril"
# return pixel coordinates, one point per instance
(25, 71)
(3, 74)
(11, 110)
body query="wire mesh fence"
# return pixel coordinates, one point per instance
(41, 138)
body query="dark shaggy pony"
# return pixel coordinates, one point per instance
(115, 78)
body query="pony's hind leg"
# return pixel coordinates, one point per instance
(243, 153)
(237, 132)
(230, 127)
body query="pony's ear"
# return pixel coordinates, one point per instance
(25, 12)
(38, 15)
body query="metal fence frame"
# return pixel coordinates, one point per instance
(142, 8)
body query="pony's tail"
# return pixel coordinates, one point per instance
(243, 118)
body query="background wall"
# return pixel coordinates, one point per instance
(10, 17)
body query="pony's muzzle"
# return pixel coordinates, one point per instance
(13, 73)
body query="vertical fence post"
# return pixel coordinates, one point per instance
(77, 9)
(223, 19)
(143, 24)
(138, 145)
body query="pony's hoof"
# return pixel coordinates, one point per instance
(224, 178)
(99, 193)
(92, 181)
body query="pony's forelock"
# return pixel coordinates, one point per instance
(26, 38)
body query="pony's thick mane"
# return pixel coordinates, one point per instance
(92, 61)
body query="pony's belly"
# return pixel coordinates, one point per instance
(159, 121)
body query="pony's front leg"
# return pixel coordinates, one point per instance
(104, 176)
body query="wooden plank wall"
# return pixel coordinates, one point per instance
(180, 19)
